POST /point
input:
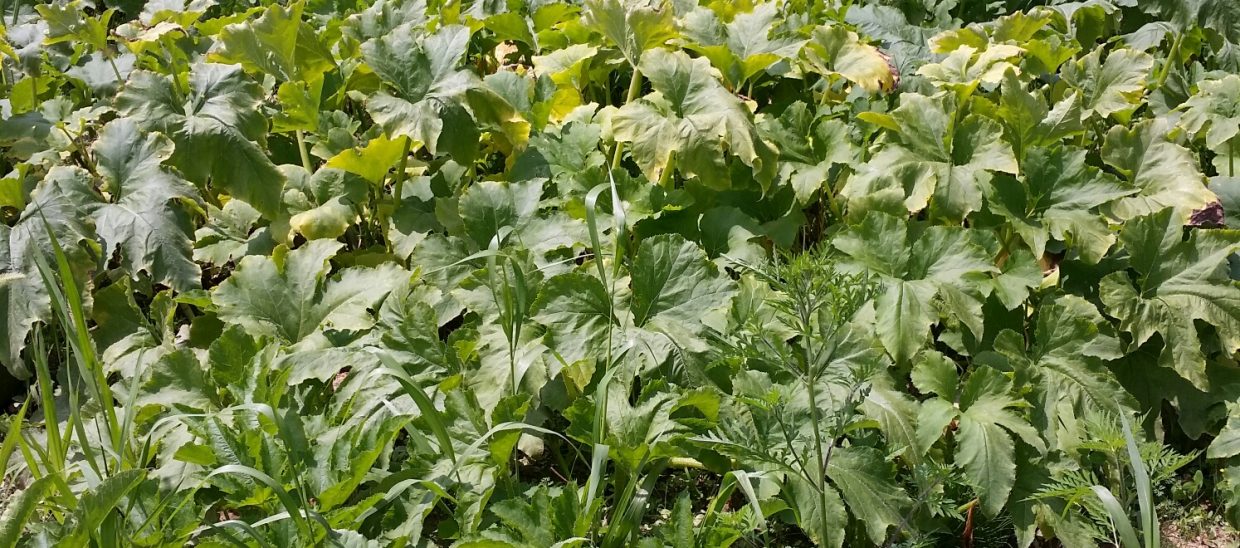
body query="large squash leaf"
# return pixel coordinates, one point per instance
(278, 43)
(1164, 173)
(217, 126)
(931, 156)
(941, 262)
(1214, 111)
(63, 202)
(426, 86)
(289, 295)
(1109, 86)
(632, 26)
(692, 116)
(1064, 363)
(1178, 282)
(743, 47)
(1058, 197)
(146, 217)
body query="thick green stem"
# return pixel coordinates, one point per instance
(635, 89)
(399, 186)
(1231, 158)
(1171, 58)
(116, 71)
(667, 178)
(820, 474)
(811, 386)
(305, 153)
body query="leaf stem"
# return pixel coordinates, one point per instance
(1171, 57)
(667, 178)
(398, 186)
(301, 147)
(811, 387)
(1231, 158)
(112, 61)
(635, 89)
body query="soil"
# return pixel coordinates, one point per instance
(7, 491)
(1212, 535)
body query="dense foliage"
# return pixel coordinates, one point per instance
(617, 273)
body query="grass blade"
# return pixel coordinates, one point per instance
(11, 436)
(285, 497)
(1145, 492)
(432, 416)
(1128, 536)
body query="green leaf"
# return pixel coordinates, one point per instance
(984, 448)
(65, 200)
(325, 204)
(1214, 111)
(348, 454)
(1111, 86)
(97, 504)
(230, 234)
(70, 22)
(896, 414)
(1064, 365)
(577, 311)
(674, 286)
(833, 49)
(177, 381)
(1179, 282)
(905, 314)
(1164, 173)
(290, 296)
(935, 374)
(986, 454)
(145, 217)
(1227, 443)
(966, 67)
(808, 147)
(743, 47)
(421, 71)
(372, 161)
(692, 116)
(544, 516)
(1029, 122)
(276, 43)
(630, 26)
(940, 260)
(868, 486)
(383, 17)
(805, 500)
(217, 126)
(931, 158)
(489, 206)
(1058, 199)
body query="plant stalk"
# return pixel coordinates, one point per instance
(301, 147)
(635, 89)
(398, 186)
(1171, 57)
(811, 386)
